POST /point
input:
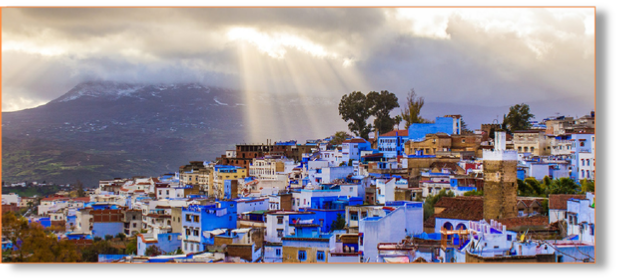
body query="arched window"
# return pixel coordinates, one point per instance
(447, 226)
(461, 226)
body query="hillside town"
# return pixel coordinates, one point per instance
(435, 192)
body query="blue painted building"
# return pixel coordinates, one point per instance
(108, 228)
(582, 156)
(391, 144)
(167, 242)
(196, 219)
(449, 125)
(45, 222)
(327, 208)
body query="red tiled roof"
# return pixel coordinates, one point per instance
(355, 140)
(525, 221)
(559, 201)
(401, 132)
(461, 208)
(55, 198)
(84, 199)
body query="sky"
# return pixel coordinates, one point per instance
(492, 57)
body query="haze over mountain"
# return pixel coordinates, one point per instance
(101, 130)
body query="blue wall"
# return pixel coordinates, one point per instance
(110, 258)
(419, 130)
(102, 229)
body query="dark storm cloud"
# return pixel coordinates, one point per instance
(541, 57)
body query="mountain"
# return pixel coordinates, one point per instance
(102, 130)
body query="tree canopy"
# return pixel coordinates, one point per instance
(381, 104)
(518, 118)
(355, 108)
(431, 200)
(32, 243)
(339, 223)
(411, 110)
(358, 108)
(339, 137)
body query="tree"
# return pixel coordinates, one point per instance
(354, 107)
(398, 120)
(473, 193)
(381, 104)
(339, 137)
(411, 112)
(131, 248)
(563, 186)
(464, 127)
(153, 251)
(339, 223)
(587, 186)
(535, 186)
(33, 244)
(431, 200)
(80, 189)
(91, 253)
(108, 237)
(518, 117)
(121, 236)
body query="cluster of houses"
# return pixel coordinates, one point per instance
(358, 201)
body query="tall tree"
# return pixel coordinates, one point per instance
(80, 189)
(518, 117)
(411, 112)
(381, 104)
(354, 107)
(464, 127)
(339, 223)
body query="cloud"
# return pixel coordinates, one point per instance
(469, 56)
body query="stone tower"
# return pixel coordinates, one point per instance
(500, 175)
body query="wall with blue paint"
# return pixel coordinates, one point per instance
(102, 229)
(110, 258)
(442, 124)
(167, 242)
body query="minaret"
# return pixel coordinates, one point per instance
(500, 175)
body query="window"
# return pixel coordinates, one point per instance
(302, 255)
(188, 217)
(509, 237)
(279, 233)
(278, 252)
(196, 232)
(279, 220)
(134, 224)
(320, 256)
(168, 192)
(188, 232)
(196, 219)
(353, 216)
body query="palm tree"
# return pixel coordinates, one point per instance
(563, 186)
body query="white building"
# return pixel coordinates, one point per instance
(581, 218)
(406, 219)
